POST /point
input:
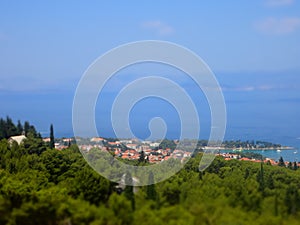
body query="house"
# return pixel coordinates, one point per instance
(96, 139)
(132, 146)
(46, 139)
(154, 145)
(122, 184)
(19, 139)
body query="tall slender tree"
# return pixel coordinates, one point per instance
(151, 192)
(26, 127)
(142, 157)
(51, 137)
(281, 162)
(260, 178)
(295, 167)
(128, 191)
(290, 165)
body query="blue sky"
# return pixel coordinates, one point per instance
(253, 47)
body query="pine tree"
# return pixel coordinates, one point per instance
(11, 128)
(3, 133)
(19, 127)
(292, 199)
(51, 137)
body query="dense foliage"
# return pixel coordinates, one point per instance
(8, 128)
(39, 185)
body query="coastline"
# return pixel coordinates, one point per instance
(258, 149)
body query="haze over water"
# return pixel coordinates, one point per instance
(253, 48)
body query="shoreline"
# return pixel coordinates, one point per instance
(258, 149)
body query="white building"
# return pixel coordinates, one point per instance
(19, 139)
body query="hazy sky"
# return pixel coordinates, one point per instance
(253, 47)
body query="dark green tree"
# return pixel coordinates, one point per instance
(128, 191)
(295, 166)
(281, 162)
(90, 185)
(26, 127)
(247, 173)
(51, 144)
(276, 204)
(260, 178)
(151, 192)
(11, 128)
(292, 199)
(3, 133)
(167, 144)
(19, 127)
(270, 182)
(142, 157)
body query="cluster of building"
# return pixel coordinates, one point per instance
(62, 143)
(133, 149)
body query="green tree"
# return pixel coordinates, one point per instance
(121, 208)
(26, 127)
(128, 191)
(34, 145)
(51, 137)
(142, 157)
(260, 178)
(151, 192)
(19, 127)
(91, 186)
(167, 144)
(11, 128)
(292, 199)
(281, 162)
(295, 166)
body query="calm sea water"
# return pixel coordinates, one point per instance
(290, 155)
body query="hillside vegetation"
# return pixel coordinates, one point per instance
(39, 185)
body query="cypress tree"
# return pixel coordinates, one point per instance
(290, 165)
(295, 166)
(151, 192)
(142, 157)
(281, 162)
(128, 191)
(276, 204)
(260, 178)
(51, 137)
(26, 127)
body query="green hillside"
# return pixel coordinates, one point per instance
(39, 185)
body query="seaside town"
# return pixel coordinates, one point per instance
(159, 151)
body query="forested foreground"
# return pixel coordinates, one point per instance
(39, 185)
